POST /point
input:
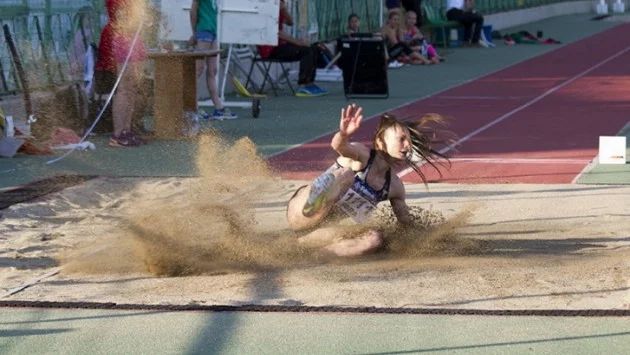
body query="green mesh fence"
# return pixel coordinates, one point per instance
(332, 16)
(50, 36)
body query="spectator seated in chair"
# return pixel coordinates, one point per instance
(293, 49)
(463, 11)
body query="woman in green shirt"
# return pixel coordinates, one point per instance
(203, 19)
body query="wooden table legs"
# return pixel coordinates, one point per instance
(175, 93)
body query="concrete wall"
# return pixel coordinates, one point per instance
(504, 20)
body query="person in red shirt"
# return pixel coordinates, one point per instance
(293, 49)
(124, 16)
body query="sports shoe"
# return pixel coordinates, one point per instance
(130, 135)
(204, 115)
(319, 189)
(310, 91)
(122, 140)
(317, 90)
(303, 91)
(224, 114)
(395, 64)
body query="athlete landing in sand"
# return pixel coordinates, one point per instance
(361, 178)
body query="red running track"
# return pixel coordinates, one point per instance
(535, 122)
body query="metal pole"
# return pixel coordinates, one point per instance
(380, 16)
(3, 78)
(218, 58)
(20, 70)
(42, 45)
(225, 73)
(48, 33)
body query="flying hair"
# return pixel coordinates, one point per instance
(423, 138)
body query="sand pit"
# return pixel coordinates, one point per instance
(224, 239)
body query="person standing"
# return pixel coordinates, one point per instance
(203, 20)
(124, 16)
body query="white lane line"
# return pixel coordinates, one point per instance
(521, 160)
(482, 97)
(408, 103)
(524, 106)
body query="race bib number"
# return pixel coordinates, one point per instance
(356, 206)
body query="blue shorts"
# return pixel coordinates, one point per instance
(205, 36)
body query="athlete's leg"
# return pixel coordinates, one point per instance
(318, 198)
(366, 243)
(329, 240)
(321, 237)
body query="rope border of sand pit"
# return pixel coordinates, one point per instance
(30, 283)
(323, 309)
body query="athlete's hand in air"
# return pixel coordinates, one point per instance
(350, 120)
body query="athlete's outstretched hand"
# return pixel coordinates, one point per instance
(350, 120)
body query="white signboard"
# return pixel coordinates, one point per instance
(612, 150)
(175, 24)
(248, 21)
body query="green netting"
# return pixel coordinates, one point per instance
(332, 16)
(49, 37)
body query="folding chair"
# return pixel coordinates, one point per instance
(241, 55)
(266, 67)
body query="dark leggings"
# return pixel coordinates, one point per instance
(468, 19)
(306, 55)
(397, 49)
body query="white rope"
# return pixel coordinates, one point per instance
(109, 98)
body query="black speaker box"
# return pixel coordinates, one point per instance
(364, 67)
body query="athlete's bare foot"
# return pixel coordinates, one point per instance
(361, 245)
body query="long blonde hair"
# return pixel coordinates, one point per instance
(422, 139)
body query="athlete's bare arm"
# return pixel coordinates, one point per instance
(350, 123)
(397, 200)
